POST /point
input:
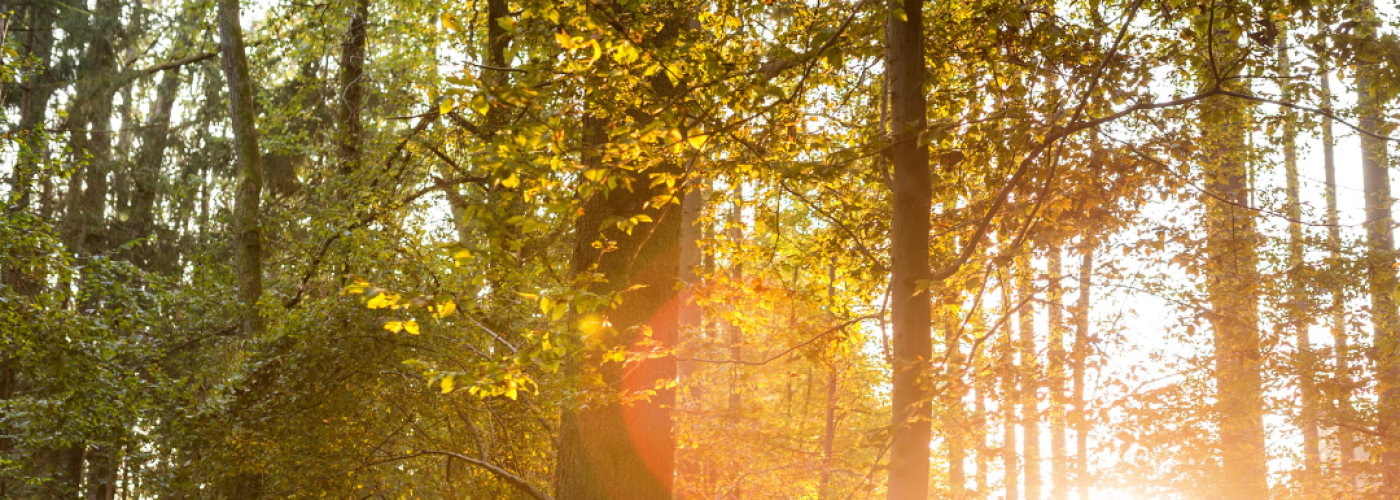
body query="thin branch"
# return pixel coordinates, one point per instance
(777, 356)
(509, 477)
(1316, 111)
(879, 266)
(179, 62)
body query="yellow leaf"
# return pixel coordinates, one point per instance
(511, 182)
(358, 287)
(393, 326)
(447, 383)
(597, 51)
(510, 393)
(626, 54)
(698, 140)
(411, 326)
(383, 300)
(446, 105)
(445, 309)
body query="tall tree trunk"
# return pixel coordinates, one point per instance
(610, 450)
(954, 415)
(1299, 299)
(352, 87)
(1232, 284)
(154, 138)
(1380, 259)
(5, 22)
(692, 325)
(102, 473)
(1054, 294)
(1010, 459)
(736, 276)
(824, 490)
(34, 104)
(1030, 379)
(34, 108)
(911, 306)
(982, 387)
(1337, 308)
(247, 227)
(93, 109)
(607, 449)
(1079, 360)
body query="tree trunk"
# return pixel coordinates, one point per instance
(824, 490)
(1054, 294)
(1337, 307)
(608, 449)
(102, 473)
(1232, 284)
(1009, 373)
(982, 387)
(910, 304)
(1080, 366)
(1030, 379)
(955, 431)
(692, 325)
(154, 138)
(33, 113)
(1380, 261)
(352, 87)
(736, 276)
(1298, 297)
(247, 227)
(93, 108)
(34, 108)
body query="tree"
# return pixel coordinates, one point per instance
(910, 306)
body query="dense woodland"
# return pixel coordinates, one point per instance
(699, 249)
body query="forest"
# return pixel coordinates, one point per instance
(699, 249)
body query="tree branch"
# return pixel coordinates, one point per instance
(509, 477)
(778, 356)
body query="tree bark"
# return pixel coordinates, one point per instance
(34, 108)
(352, 87)
(1337, 308)
(736, 276)
(1298, 297)
(1380, 261)
(1080, 366)
(1054, 294)
(982, 388)
(692, 325)
(824, 490)
(910, 303)
(1009, 374)
(154, 138)
(609, 449)
(1232, 284)
(247, 226)
(1030, 379)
